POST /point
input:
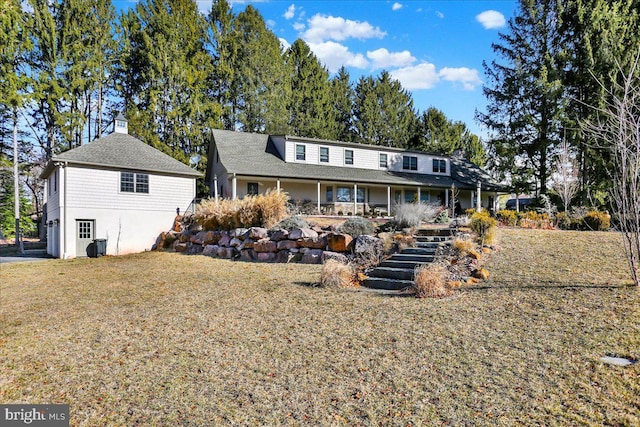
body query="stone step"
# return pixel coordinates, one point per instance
(401, 264)
(392, 273)
(420, 250)
(389, 284)
(411, 257)
(443, 232)
(432, 239)
(35, 252)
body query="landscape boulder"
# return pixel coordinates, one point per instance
(300, 233)
(338, 242)
(238, 232)
(278, 235)
(366, 244)
(327, 255)
(286, 245)
(210, 250)
(312, 256)
(257, 233)
(317, 243)
(265, 245)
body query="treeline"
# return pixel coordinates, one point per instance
(559, 64)
(177, 73)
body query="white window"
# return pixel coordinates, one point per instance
(410, 163)
(324, 154)
(131, 182)
(348, 157)
(301, 152)
(343, 194)
(439, 166)
(383, 160)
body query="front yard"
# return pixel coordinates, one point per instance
(166, 339)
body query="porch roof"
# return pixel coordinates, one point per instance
(250, 154)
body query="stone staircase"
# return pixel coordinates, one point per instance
(396, 272)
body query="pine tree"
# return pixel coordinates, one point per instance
(343, 97)
(311, 111)
(261, 84)
(525, 93)
(383, 112)
(164, 76)
(438, 134)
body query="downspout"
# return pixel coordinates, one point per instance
(64, 225)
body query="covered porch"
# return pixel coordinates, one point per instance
(356, 198)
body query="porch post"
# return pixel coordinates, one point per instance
(278, 184)
(355, 199)
(472, 193)
(419, 200)
(446, 197)
(319, 211)
(388, 200)
(479, 198)
(495, 201)
(234, 187)
(215, 187)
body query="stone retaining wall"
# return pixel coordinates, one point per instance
(304, 245)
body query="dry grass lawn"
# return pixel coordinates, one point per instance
(164, 339)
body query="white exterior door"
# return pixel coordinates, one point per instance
(85, 229)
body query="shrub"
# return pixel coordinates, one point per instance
(250, 211)
(443, 217)
(336, 274)
(356, 226)
(484, 226)
(291, 223)
(463, 245)
(431, 281)
(507, 217)
(564, 221)
(412, 214)
(533, 219)
(597, 221)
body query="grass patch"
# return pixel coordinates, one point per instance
(166, 339)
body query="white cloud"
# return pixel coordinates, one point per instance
(284, 44)
(463, 75)
(382, 58)
(491, 19)
(396, 6)
(291, 12)
(299, 26)
(421, 76)
(334, 55)
(322, 28)
(439, 14)
(271, 23)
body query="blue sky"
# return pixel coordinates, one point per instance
(434, 48)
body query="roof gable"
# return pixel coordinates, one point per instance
(122, 151)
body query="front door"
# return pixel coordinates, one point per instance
(84, 236)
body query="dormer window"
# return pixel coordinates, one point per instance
(439, 166)
(324, 154)
(383, 160)
(348, 157)
(301, 152)
(121, 124)
(410, 163)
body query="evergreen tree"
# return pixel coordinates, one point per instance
(438, 134)
(343, 97)
(383, 112)
(261, 85)
(525, 93)
(164, 76)
(601, 36)
(311, 111)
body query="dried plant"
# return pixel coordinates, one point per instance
(431, 281)
(336, 274)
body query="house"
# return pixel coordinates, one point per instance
(341, 176)
(116, 188)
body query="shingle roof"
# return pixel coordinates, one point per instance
(122, 151)
(254, 154)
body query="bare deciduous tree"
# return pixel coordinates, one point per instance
(617, 128)
(565, 175)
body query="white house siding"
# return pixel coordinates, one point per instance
(363, 158)
(129, 221)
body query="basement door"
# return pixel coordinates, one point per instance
(85, 230)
